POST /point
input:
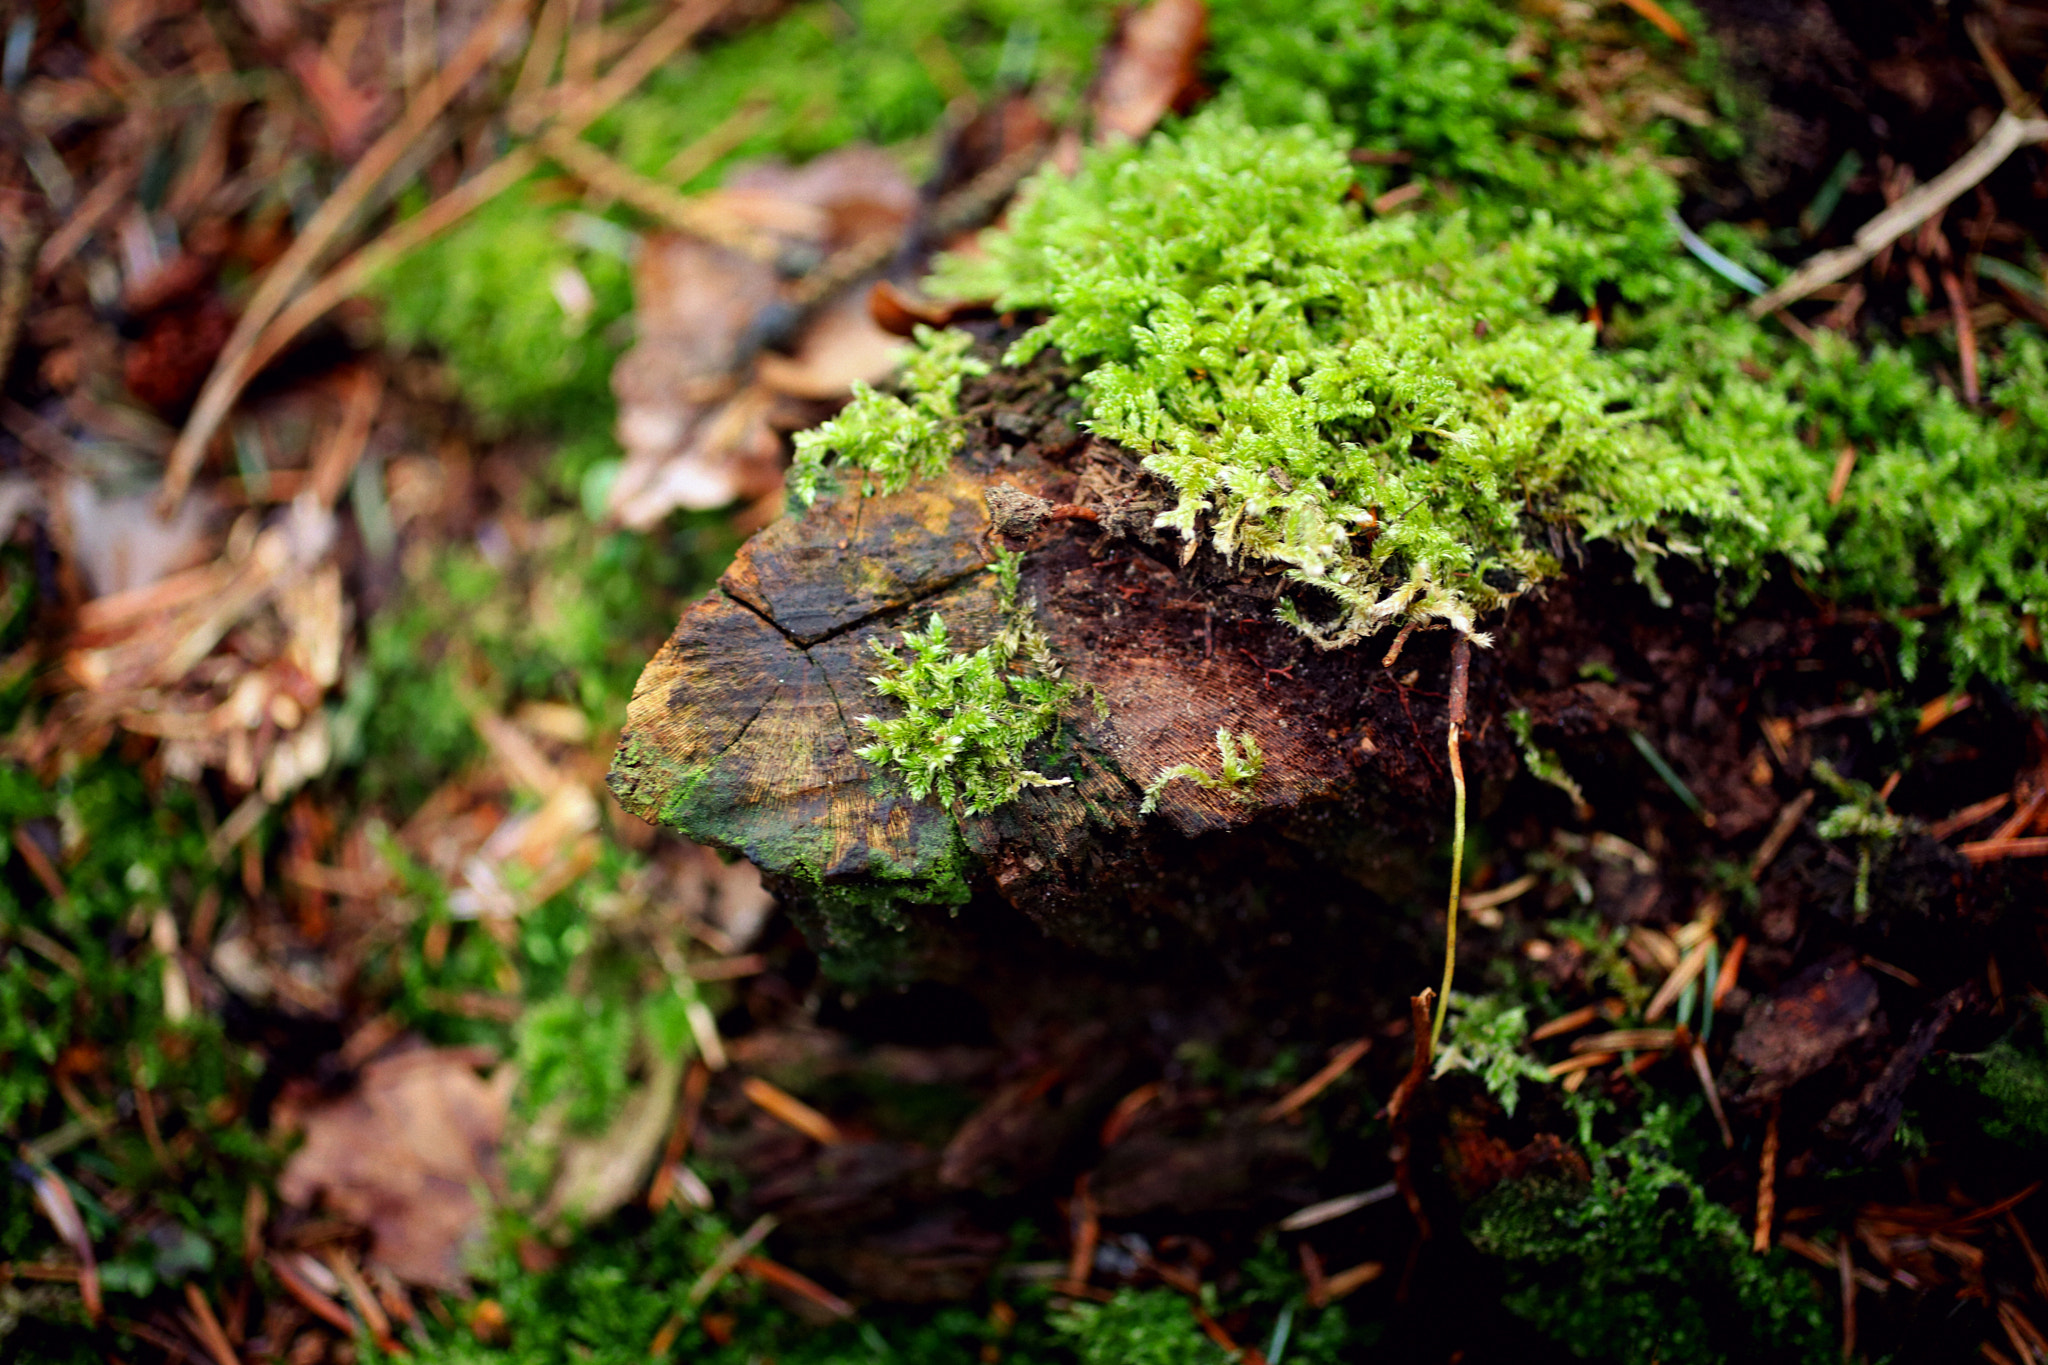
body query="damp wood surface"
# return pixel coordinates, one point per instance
(742, 730)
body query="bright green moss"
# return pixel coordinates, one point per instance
(967, 718)
(1487, 1037)
(1242, 762)
(892, 441)
(1385, 409)
(1397, 414)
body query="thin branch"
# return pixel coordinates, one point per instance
(2007, 135)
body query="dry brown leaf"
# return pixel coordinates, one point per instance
(403, 1155)
(1149, 69)
(842, 344)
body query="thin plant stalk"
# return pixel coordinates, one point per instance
(1461, 669)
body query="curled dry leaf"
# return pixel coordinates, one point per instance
(403, 1155)
(696, 433)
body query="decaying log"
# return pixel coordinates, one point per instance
(742, 731)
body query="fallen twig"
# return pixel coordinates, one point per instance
(2005, 137)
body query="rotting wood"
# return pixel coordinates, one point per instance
(742, 732)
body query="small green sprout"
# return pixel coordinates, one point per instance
(1543, 764)
(1241, 767)
(1861, 816)
(1486, 1037)
(968, 718)
(893, 441)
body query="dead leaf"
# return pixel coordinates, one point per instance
(858, 190)
(404, 1155)
(842, 344)
(1150, 68)
(1803, 1027)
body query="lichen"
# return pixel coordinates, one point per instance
(1242, 762)
(967, 718)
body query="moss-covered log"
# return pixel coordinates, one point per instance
(743, 730)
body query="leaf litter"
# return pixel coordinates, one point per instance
(224, 653)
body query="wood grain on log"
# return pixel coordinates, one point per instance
(742, 732)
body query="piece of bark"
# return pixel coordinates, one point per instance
(742, 732)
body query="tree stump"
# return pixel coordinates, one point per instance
(742, 731)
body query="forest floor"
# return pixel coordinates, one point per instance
(382, 378)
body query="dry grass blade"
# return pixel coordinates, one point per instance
(451, 208)
(1087, 1230)
(1662, 19)
(207, 1327)
(1627, 1040)
(1698, 1053)
(1357, 1277)
(1968, 816)
(803, 1286)
(699, 217)
(1687, 972)
(1766, 1184)
(782, 1105)
(1329, 1210)
(234, 369)
(729, 1256)
(1997, 850)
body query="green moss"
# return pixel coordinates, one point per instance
(1239, 769)
(1639, 1264)
(495, 298)
(1861, 816)
(890, 440)
(2010, 1079)
(1543, 764)
(1384, 409)
(1394, 412)
(1487, 1036)
(967, 719)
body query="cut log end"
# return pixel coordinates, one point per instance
(742, 732)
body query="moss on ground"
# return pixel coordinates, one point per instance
(1637, 1263)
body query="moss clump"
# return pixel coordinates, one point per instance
(967, 719)
(1398, 413)
(1639, 1264)
(892, 441)
(1386, 409)
(1487, 1037)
